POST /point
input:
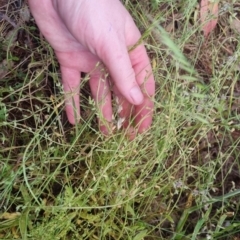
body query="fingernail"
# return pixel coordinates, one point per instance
(136, 95)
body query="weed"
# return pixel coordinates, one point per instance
(180, 180)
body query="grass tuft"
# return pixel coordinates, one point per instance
(180, 180)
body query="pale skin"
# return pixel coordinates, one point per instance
(94, 36)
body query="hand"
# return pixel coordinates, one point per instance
(87, 35)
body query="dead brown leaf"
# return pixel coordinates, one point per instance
(208, 15)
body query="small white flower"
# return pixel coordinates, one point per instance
(120, 122)
(120, 108)
(117, 100)
(209, 237)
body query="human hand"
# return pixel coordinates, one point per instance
(87, 35)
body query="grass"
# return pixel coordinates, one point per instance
(180, 180)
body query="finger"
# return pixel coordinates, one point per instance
(141, 115)
(133, 77)
(144, 115)
(71, 87)
(145, 79)
(101, 93)
(115, 56)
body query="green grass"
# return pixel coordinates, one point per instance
(180, 180)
